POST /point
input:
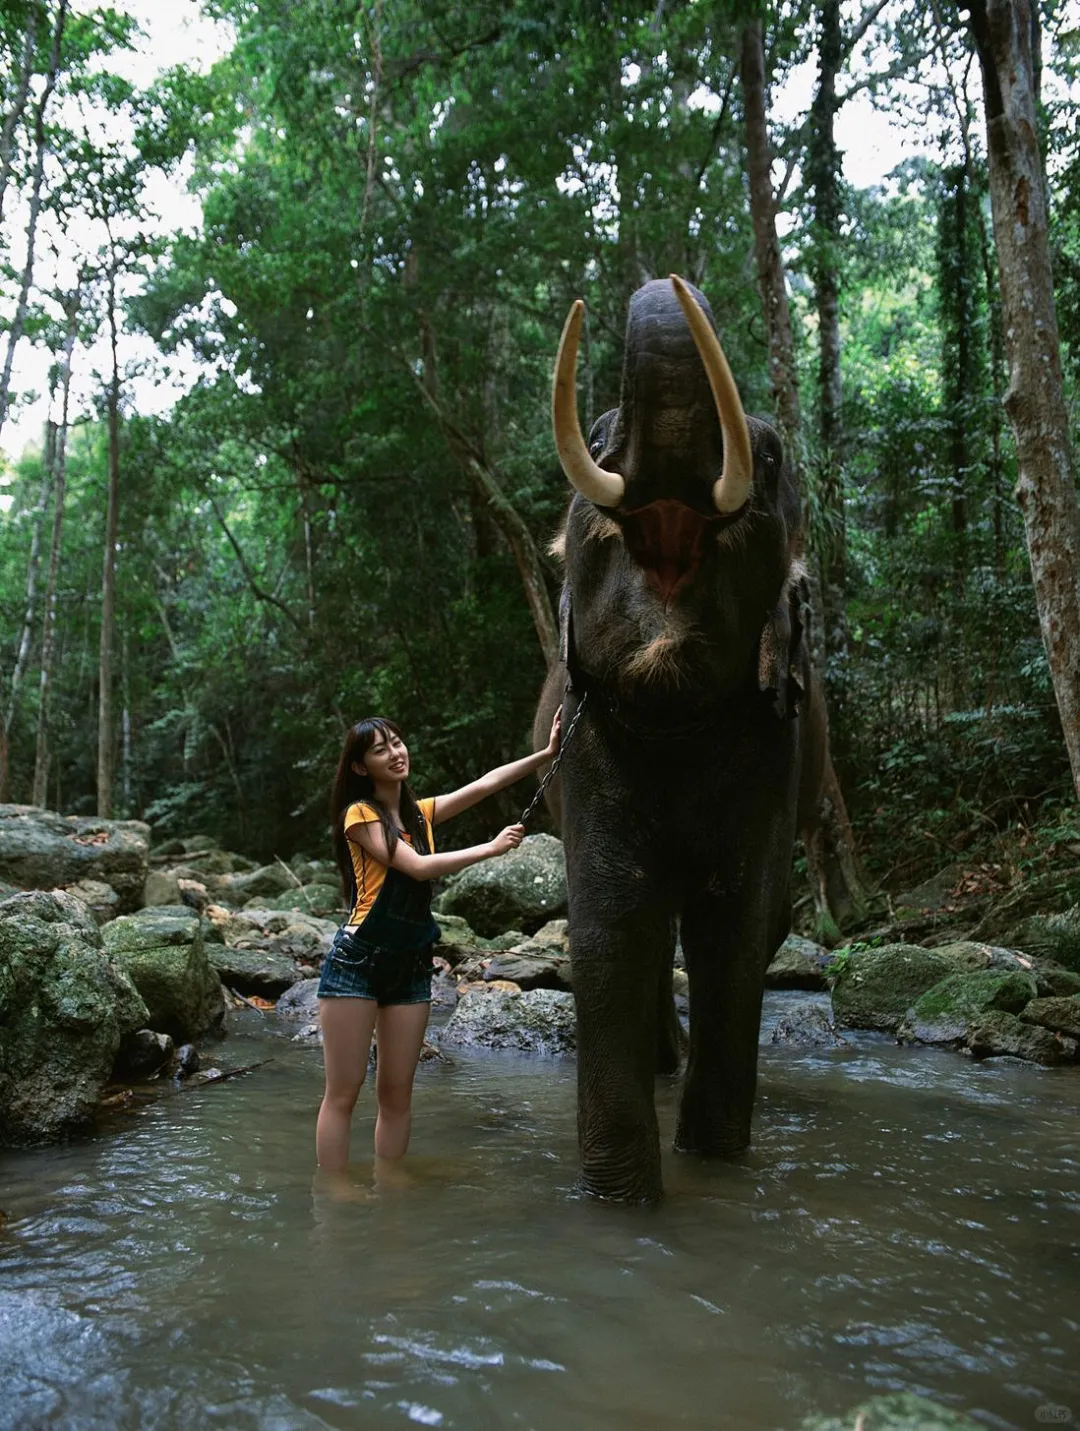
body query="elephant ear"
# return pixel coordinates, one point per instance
(783, 651)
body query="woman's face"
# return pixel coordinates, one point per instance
(386, 759)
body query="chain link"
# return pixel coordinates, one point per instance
(530, 809)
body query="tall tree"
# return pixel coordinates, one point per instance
(1003, 31)
(106, 734)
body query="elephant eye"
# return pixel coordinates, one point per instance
(596, 446)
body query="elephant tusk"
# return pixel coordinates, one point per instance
(733, 487)
(604, 488)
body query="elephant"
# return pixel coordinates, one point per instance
(698, 743)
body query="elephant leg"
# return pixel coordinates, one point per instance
(725, 960)
(616, 964)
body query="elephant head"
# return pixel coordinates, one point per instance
(687, 524)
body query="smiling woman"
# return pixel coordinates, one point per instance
(377, 976)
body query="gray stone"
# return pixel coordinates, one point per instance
(531, 966)
(799, 964)
(267, 880)
(253, 971)
(1001, 1034)
(162, 951)
(522, 890)
(43, 850)
(162, 888)
(874, 988)
(300, 1002)
(100, 898)
(806, 1026)
(541, 1021)
(948, 1010)
(65, 1006)
(555, 934)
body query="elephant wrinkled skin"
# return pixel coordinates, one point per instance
(683, 614)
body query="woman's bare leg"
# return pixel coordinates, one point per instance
(401, 1036)
(347, 1026)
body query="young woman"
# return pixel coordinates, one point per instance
(378, 972)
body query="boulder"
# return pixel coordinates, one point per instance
(555, 934)
(266, 880)
(301, 1004)
(874, 988)
(65, 1007)
(946, 1012)
(1048, 936)
(162, 951)
(1060, 1015)
(898, 1411)
(999, 1034)
(540, 1021)
(806, 1025)
(523, 890)
(100, 898)
(253, 971)
(531, 966)
(43, 850)
(799, 964)
(162, 887)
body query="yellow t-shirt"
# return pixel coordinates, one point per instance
(369, 872)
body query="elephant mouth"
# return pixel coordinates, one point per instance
(667, 540)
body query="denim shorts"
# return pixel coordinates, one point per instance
(357, 969)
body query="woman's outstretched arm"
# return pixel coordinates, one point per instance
(447, 806)
(425, 867)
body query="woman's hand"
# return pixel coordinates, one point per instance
(556, 734)
(507, 840)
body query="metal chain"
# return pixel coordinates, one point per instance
(535, 801)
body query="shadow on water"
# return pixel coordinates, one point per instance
(905, 1221)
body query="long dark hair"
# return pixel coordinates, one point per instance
(348, 787)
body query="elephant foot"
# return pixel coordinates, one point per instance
(633, 1180)
(627, 1194)
(712, 1142)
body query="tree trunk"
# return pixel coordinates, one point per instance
(823, 173)
(1035, 402)
(18, 323)
(33, 565)
(48, 625)
(108, 576)
(13, 118)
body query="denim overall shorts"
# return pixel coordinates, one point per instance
(388, 957)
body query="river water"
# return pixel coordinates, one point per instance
(906, 1221)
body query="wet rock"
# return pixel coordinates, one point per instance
(300, 1002)
(540, 1021)
(1000, 1034)
(162, 951)
(531, 966)
(253, 971)
(874, 988)
(901, 1411)
(806, 1026)
(185, 1061)
(65, 1007)
(142, 1054)
(1060, 1015)
(799, 964)
(1051, 936)
(100, 898)
(945, 1013)
(43, 850)
(523, 890)
(162, 888)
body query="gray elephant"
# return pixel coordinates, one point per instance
(683, 634)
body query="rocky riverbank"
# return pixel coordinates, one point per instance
(117, 959)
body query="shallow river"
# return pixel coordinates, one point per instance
(906, 1221)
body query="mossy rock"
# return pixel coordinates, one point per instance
(1060, 1015)
(997, 1034)
(1051, 936)
(162, 952)
(521, 890)
(321, 900)
(874, 988)
(945, 1012)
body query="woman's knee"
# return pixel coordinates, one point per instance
(342, 1096)
(394, 1096)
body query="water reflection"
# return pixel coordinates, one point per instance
(904, 1221)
